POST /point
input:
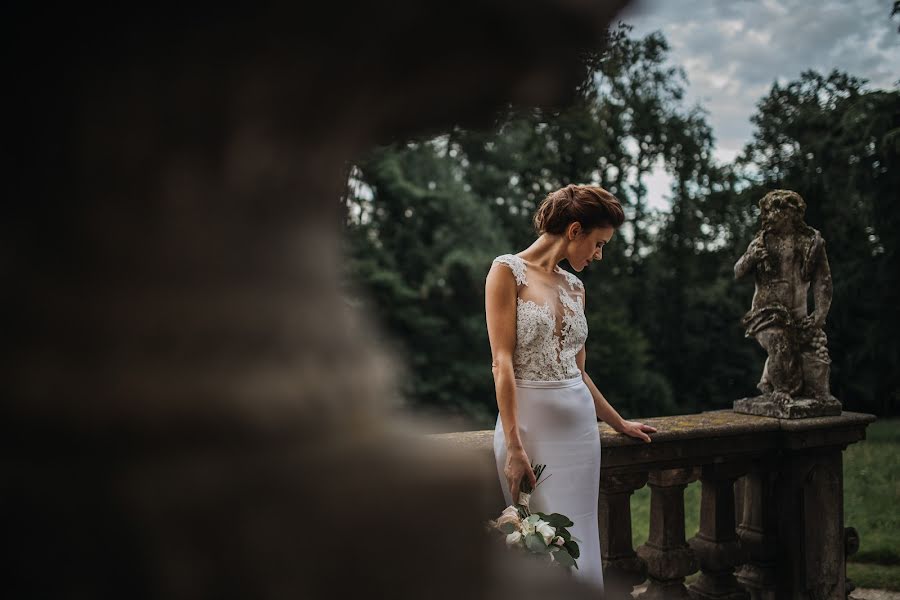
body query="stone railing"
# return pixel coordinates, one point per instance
(771, 512)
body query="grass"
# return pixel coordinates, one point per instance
(870, 575)
(871, 505)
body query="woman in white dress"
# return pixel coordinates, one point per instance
(548, 405)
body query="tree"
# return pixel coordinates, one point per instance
(419, 249)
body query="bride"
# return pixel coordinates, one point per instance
(548, 405)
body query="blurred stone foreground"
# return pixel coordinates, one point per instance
(190, 409)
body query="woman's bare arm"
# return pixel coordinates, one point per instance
(604, 409)
(500, 312)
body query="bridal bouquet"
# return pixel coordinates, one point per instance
(537, 533)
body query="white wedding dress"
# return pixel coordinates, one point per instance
(555, 411)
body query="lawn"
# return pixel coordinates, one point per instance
(871, 500)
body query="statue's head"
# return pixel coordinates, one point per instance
(782, 210)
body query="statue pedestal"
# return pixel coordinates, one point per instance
(795, 408)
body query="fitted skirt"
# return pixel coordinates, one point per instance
(558, 427)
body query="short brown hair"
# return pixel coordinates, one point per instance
(590, 205)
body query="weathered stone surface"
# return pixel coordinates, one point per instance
(663, 590)
(666, 565)
(621, 575)
(809, 549)
(668, 556)
(616, 483)
(796, 408)
(716, 545)
(787, 257)
(757, 530)
(622, 567)
(709, 437)
(717, 556)
(673, 477)
(785, 496)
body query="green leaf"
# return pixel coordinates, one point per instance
(572, 548)
(535, 543)
(507, 528)
(564, 558)
(533, 519)
(558, 520)
(564, 534)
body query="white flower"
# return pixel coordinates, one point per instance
(514, 538)
(527, 527)
(559, 541)
(543, 528)
(509, 515)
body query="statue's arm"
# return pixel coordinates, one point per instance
(747, 262)
(822, 288)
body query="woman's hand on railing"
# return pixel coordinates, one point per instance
(636, 430)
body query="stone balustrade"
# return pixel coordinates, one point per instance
(771, 514)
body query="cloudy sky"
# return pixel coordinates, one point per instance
(733, 50)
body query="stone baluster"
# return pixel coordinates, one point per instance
(851, 547)
(810, 495)
(716, 545)
(622, 567)
(668, 556)
(757, 531)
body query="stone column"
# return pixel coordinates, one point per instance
(622, 567)
(810, 525)
(757, 533)
(668, 556)
(716, 545)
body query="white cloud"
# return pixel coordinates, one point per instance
(732, 51)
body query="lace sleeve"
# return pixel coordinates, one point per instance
(574, 282)
(516, 265)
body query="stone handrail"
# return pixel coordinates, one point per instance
(771, 514)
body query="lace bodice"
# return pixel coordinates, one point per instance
(550, 323)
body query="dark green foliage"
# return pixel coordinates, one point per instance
(420, 252)
(426, 217)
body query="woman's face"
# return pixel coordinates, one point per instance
(587, 246)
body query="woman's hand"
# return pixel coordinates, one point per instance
(517, 467)
(637, 430)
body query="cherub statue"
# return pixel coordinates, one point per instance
(787, 256)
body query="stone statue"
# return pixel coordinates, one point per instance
(787, 257)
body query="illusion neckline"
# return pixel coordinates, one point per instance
(556, 268)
